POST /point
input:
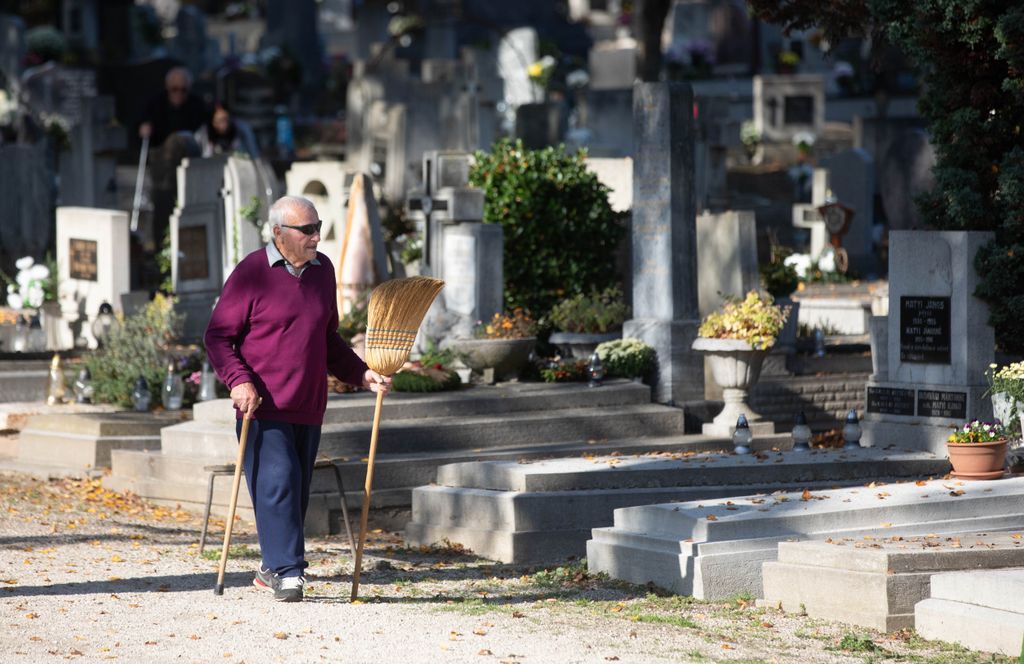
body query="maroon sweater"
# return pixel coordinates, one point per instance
(280, 333)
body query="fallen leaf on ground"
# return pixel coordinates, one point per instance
(281, 635)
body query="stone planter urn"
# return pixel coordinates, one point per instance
(735, 366)
(505, 356)
(1002, 407)
(978, 461)
(581, 344)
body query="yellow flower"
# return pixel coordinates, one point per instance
(535, 70)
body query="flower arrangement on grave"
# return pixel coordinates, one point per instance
(820, 270)
(34, 284)
(755, 319)
(750, 137)
(779, 277)
(977, 450)
(432, 372)
(596, 313)
(977, 431)
(540, 71)
(1008, 379)
(570, 370)
(514, 324)
(627, 358)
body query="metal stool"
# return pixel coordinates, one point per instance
(228, 469)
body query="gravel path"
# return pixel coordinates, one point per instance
(91, 575)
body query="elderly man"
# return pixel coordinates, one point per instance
(272, 338)
(175, 110)
(170, 120)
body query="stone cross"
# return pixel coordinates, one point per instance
(807, 216)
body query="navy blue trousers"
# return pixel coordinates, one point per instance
(278, 467)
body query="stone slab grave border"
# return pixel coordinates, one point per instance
(980, 609)
(875, 582)
(716, 550)
(544, 511)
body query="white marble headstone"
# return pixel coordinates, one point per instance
(93, 267)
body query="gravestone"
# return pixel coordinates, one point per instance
(940, 342)
(92, 267)
(88, 176)
(326, 185)
(517, 50)
(807, 216)
(714, 550)
(362, 261)
(197, 242)
(458, 246)
(726, 257)
(242, 193)
(665, 296)
(852, 176)
(612, 65)
(905, 174)
(26, 189)
(12, 46)
(785, 105)
(604, 113)
(58, 90)
(979, 609)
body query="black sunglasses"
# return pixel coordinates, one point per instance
(308, 229)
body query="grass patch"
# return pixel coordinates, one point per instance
(858, 643)
(237, 551)
(575, 575)
(678, 621)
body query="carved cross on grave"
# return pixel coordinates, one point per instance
(424, 203)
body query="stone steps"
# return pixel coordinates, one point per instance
(24, 380)
(177, 479)
(876, 583)
(418, 433)
(444, 433)
(982, 610)
(723, 546)
(543, 512)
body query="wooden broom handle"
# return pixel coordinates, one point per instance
(219, 588)
(366, 496)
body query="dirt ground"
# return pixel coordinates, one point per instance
(87, 574)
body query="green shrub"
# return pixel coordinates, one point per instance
(138, 347)
(561, 234)
(597, 312)
(627, 358)
(354, 322)
(412, 381)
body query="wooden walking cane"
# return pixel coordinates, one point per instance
(394, 315)
(242, 439)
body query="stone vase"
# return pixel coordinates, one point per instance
(505, 356)
(581, 344)
(1002, 407)
(978, 461)
(735, 366)
(50, 320)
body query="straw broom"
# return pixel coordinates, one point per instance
(395, 312)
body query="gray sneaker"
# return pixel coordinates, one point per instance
(287, 589)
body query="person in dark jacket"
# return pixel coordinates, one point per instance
(272, 338)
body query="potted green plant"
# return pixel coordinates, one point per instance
(736, 339)
(503, 343)
(584, 321)
(627, 358)
(977, 450)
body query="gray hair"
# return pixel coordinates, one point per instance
(286, 205)
(179, 71)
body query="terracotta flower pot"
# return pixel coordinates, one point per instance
(978, 461)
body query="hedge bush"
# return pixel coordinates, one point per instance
(561, 234)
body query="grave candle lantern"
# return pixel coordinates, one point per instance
(801, 433)
(596, 370)
(742, 436)
(851, 431)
